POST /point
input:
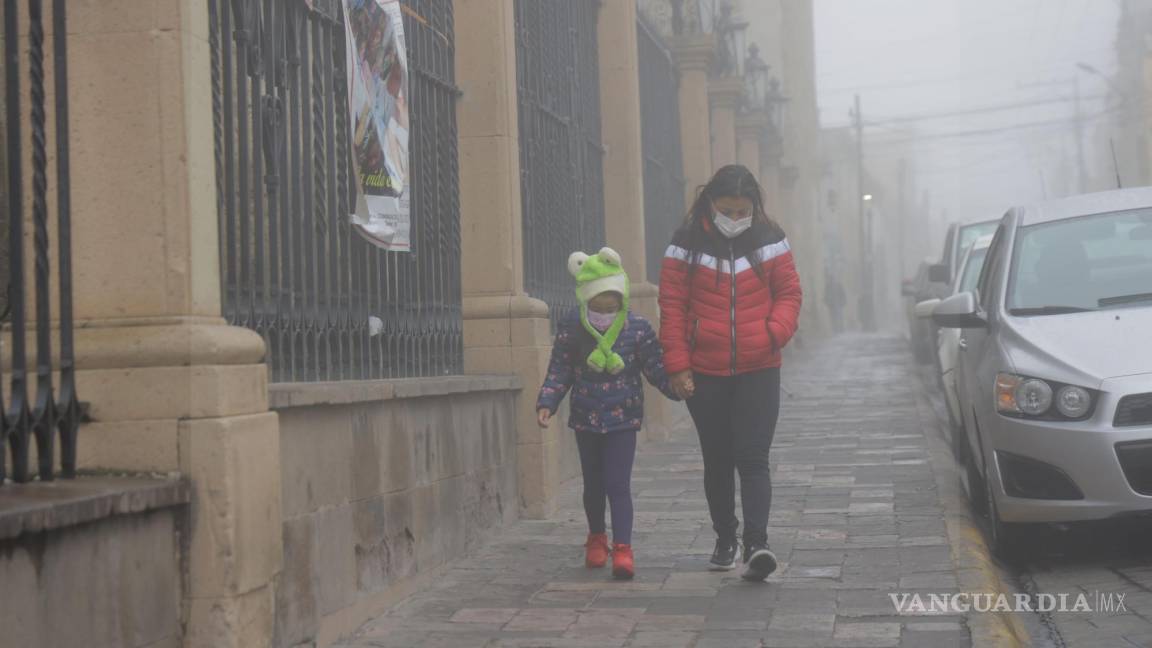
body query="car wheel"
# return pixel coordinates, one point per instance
(1004, 538)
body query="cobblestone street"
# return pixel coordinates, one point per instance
(857, 514)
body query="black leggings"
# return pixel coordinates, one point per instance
(735, 418)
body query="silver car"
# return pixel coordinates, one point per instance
(948, 339)
(1055, 370)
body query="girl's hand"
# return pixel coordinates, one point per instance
(682, 384)
(543, 416)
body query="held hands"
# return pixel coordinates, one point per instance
(682, 385)
(543, 416)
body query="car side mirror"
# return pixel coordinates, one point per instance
(940, 273)
(959, 311)
(925, 308)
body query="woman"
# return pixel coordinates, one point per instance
(729, 302)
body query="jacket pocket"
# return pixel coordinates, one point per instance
(771, 337)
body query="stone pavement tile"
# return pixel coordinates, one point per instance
(793, 621)
(801, 572)
(929, 580)
(741, 625)
(793, 639)
(953, 639)
(618, 622)
(650, 622)
(698, 580)
(484, 615)
(542, 620)
(562, 599)
(728, 639)
(646, 594)
(551, 642)
(817, 557)
(867, 633)
(679, 605)
(646, 639)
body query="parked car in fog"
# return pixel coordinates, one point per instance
(934, 280)
(921, 332)
(1054, 373)
(956, 243)
(948, 339)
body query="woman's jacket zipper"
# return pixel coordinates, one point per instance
(732, 309)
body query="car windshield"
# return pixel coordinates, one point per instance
(972, 270)
(969, 233)
(1086, 263)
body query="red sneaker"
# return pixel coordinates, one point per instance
(596, 550)
(623, 564)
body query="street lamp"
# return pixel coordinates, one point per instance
(867, 197)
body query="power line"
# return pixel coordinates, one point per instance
(989, 131)
(977, 111)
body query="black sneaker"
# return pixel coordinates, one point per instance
(724, 557)
(759, 562)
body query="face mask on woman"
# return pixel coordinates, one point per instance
(601, 321)
(729, 227)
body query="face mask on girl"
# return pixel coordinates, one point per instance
(601, 321)
(729, 227)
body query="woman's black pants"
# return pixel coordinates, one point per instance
(735, 418)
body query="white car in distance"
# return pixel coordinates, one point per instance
(948, 339)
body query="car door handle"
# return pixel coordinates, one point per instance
(963, 345)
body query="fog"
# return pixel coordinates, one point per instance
(980, 96)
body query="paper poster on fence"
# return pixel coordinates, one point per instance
(378, 101)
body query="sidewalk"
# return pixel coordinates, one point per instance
(859, 511)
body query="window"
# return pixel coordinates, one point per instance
(1081, 264)
(991, 267)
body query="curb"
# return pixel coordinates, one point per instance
(976, 570)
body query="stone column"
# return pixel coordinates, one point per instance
(694, 56)
(750, 129)
(172, 387)
(621, 129)
(505, 330)
(723, 95)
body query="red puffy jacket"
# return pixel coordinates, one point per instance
(721, 317)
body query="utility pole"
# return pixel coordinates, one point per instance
(866, 279)
(1082, 168)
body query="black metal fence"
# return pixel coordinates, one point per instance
(329, 305)
(561, 155)
(664, 207)
(37, 407)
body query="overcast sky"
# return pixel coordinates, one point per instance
(931, 57)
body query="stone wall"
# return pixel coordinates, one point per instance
(92, 562)
(382, 483)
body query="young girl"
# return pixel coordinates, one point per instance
(729, 302)
(600, 355)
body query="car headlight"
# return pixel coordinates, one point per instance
(1033, 397)
(1073, 402)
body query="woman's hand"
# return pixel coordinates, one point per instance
(682, 384)
(543, 416)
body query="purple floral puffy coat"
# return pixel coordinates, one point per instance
(602, 402)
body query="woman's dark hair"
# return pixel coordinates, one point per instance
(732, 181)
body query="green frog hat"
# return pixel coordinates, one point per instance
(595, 275)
